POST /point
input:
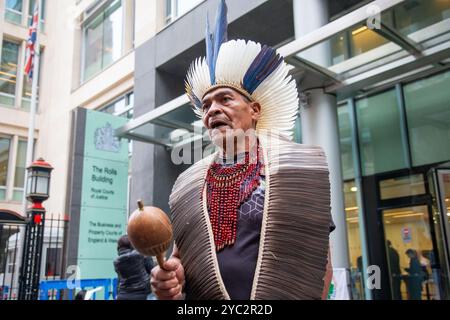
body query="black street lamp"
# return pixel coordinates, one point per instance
(37, 191)
(38, 184)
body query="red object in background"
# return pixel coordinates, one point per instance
(37, 219)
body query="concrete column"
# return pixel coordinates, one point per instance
(128, 28)
(320, 123)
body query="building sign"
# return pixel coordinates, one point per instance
(103, 210)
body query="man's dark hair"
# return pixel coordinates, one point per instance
(412, 252)
(124, 243)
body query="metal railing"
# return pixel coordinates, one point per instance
(63, 290)
(51, 267)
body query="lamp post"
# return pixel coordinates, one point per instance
(37, 191)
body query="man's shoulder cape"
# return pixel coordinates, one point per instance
(294, 241)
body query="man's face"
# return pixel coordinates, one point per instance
(225, 109)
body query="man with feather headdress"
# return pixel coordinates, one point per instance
(251, 221)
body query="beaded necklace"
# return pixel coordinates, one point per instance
(227, 188)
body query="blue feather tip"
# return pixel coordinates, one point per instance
(264, 64)
(214, 41)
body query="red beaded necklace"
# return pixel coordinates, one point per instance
(227, 188)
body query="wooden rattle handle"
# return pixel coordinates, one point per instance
(140, 205)
(161, 260)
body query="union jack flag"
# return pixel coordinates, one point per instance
(31, 42)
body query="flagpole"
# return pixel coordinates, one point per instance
(31, 126)
(33, 107)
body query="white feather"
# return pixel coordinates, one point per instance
(235, 57)
(278, 98)
(277, 94)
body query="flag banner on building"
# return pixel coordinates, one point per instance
(31, 42)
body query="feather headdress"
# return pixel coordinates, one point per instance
(256, 71)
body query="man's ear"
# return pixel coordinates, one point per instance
(256, 110)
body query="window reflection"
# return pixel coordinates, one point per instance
(427, 105)
(402, 187)
(13, 11)
(4, 161)
(8, 72)
(363, 40)
(346, 139)
(122, 107)
(406, 18)
(177, 8)
(354, 240)
(410, 254)
(415, 15)
(103, 40)
(380, 139)
(19, 174)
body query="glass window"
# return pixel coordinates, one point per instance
(412, 16)
(355, 41)
(121, 107)
(402, 187)
(4, 161)
(439, 183)
(177, 8)
(379, 132)
(20, 170)
(131, 99)
(184, 6)
(428, 112)
(8, 73)
(31, 12)
(13, 11)
(115, 107)
(354, 240)
(363, 39)
(103, 40)
(169, 11)
(339, 47)
(112, 34)
(410, 254)
(345, 136)
(93, 44)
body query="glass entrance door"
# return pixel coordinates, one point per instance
(413, 267)
(439, 181)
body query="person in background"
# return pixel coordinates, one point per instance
(133, 270)
(415, 276)
(394, 266)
